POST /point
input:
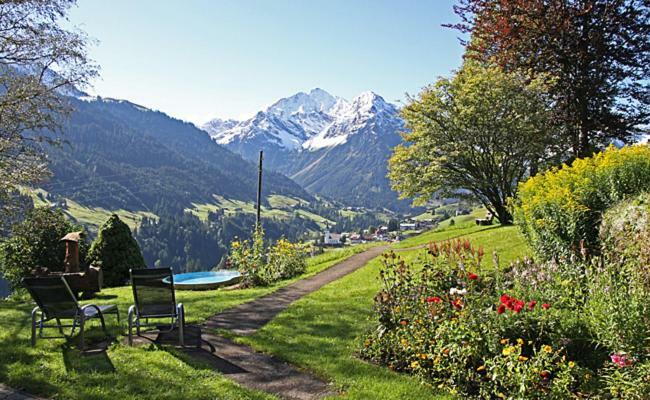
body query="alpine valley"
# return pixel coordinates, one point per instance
(186, 196)
(330, 146)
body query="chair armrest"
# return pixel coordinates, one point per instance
(83, 309)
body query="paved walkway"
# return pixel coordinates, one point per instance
(7, 393)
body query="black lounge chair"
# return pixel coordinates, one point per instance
(153, 293)
(55, 301)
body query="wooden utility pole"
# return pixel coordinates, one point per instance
(258, 222)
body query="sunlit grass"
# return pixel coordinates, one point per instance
(322, 331)
(56, 368)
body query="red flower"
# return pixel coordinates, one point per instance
(472, 276)
(434, 299)
(501, 309)
(457, 303)
(546, 306)
(404, 322)
(505, 299)
(531, 305)
(518, 305)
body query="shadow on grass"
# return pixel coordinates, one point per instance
(90, 361)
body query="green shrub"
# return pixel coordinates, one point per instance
(261, 266)
(560, 210)
(36, 242)
(286, 260)
(625, 235)
(115, 251)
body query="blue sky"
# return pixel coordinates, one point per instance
(200, 59)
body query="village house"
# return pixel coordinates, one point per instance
(332, 239)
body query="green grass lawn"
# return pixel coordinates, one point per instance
(322, 331)
(319, 333)
(55, 368)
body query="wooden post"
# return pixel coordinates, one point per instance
(258, 221)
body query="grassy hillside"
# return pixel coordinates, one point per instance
(280, 207)
(90, 217)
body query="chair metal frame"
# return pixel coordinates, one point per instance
(78, 314)
(135, 316)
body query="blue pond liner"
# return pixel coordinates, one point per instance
(206, 280)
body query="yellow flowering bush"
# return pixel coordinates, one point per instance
(261, 266)
(560, 210)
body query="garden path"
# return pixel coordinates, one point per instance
(243, 364)
(7, 393)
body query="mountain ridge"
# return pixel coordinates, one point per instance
(330, 146)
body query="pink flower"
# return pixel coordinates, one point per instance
(546, 306)
(531, 305)
(620, 359)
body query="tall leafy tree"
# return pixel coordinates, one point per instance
(476, 134)
(595, 54)
(36, 242)
(38, 61)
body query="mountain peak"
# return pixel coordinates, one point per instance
(317, 100)
(369, 98)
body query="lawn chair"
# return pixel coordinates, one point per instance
(55, 301)
(153, 293)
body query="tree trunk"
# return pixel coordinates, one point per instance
(503, 215)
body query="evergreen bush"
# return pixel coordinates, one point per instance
(115, 251)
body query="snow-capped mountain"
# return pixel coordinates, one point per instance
(217, 126)
(327, 144)
(304, 121)
(350, 118)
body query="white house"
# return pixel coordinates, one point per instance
(332, 239)
(407, 226)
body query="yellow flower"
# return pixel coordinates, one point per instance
(571, 364)
(415, 364)
(547, 349)
(520, 341)
(404, 342)
(481, 368)
(422, 356)
(508, 350)
(504, 341)
(523, 358)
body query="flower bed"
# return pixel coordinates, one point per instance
(526, 331)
